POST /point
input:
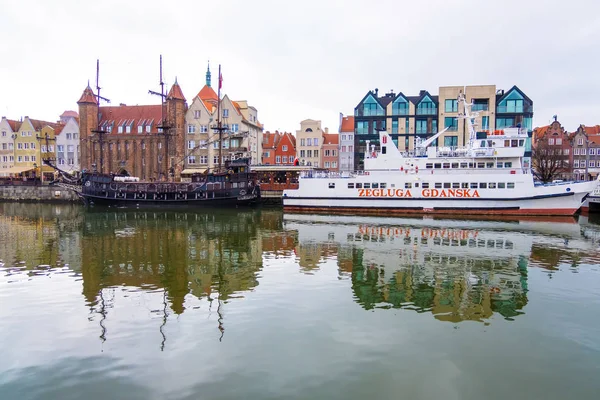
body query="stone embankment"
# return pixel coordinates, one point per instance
(36, 194)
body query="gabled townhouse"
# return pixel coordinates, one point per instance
(586, 152)
(308, 142)
(285, 149)
(8, 129)
(330, 151)
(67, 143)
(346, 162)
(554, 137)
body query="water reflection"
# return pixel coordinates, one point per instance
(456, 270)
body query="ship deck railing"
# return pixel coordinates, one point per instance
(414, 171)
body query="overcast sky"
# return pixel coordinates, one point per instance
(301, 59)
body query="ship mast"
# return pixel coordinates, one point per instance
(219, 128)
(98, 131)
(163, 127)
(469, 116)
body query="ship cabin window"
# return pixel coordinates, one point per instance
(480, 165)
(446, 185)
(499, 165)
(446, 165)
(429, 165)
(375, 185)
(416, 184)
(350, 185)
(514, 143)
(508, 164)
(473, 185)
(492, 185)
(382, 185)
(491, 144)
(510, 185)
(471, 165)
(425, 185)
(465, 185)
(501, 185)
(359, 185)
(407, 185)
(438, 185)
(455, 185)
(482, 144)
(437, 165)
(482, 185)
(521, 143)
(331, 185)
(489, 165)
(455, 165)
(507, 143)
(463, 165)
(367, 185)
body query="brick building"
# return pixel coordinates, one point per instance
(279, 148)
(129, 139)
(586, 152)
(330, 151)
(558, 139)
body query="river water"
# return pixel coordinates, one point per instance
(258, 304)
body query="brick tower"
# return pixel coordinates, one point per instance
(176, 109)
(88, 121)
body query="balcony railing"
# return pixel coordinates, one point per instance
(508, 110)
(426, 111)
(480, 107)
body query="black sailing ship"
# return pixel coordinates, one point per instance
(232, 185)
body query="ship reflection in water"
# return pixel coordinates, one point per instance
(456, 270)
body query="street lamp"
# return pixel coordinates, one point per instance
(34, 174)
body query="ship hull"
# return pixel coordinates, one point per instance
(522, 199)
(213, 202)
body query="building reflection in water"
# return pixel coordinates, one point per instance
(455, 270)
(468, 271)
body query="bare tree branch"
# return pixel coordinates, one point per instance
(548, 161)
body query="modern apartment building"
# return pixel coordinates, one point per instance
(407, 118)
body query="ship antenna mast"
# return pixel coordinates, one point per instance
(163, 128)
(98, 131)
(469, 116)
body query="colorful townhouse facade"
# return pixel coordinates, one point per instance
(279, 148)
(330, 151)
(346, 139)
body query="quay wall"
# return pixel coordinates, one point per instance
(37, 194)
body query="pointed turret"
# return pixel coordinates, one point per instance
(208, 75)
(87, 97)
(175, 93)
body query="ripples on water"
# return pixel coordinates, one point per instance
(258, 304)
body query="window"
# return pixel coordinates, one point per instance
(196, 114)
(421, 126)
(191, 144)
(32, 158)
(394, 126)
(19, 158)
(20, 146)
(316, 153)
(551, 141)
(482, 185)
(69, 136)
(203, 159)
(284, 159)
(510, 185)
(558, 141)
(326, 164)
(438, 185)
(70, 148)
(235, 127)
(203, 128)
(451, 141)
(407, 185)
(592, 164)
(333, 164)
(225, 112)
(350, 185)
(140, 129)
(514, 106)
(592, 152)
(582, 152)
(284, 147)
(362, 127)
(192, 160)
(451, 123)
(60, 148)
(576, 164)
(580, 141)
(191, 129)
(501, 185)
(148, 128)
(451, 105)
(400, 107)
(425, 185)
(3, 133)
(508, 164)
(128, 129)
(316, 141)
(576, 151)
(278, 159)
(492, 185)
(120, 130)
(485, 122)
(331, 185)
(582, 164)
(26, 158)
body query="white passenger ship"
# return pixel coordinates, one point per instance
(485, 177)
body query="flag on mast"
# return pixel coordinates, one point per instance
(220, 78)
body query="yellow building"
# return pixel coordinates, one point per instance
(30, 148)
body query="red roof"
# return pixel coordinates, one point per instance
(58, 128)
(14, 125)
(540, 132)
(331, 138)
(347, 124)
(69, 113)
(175, 92)
(207, 93)
(87, 96)
(132, 116)
(270, 140)
(592, 130)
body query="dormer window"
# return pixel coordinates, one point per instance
(120, 130)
